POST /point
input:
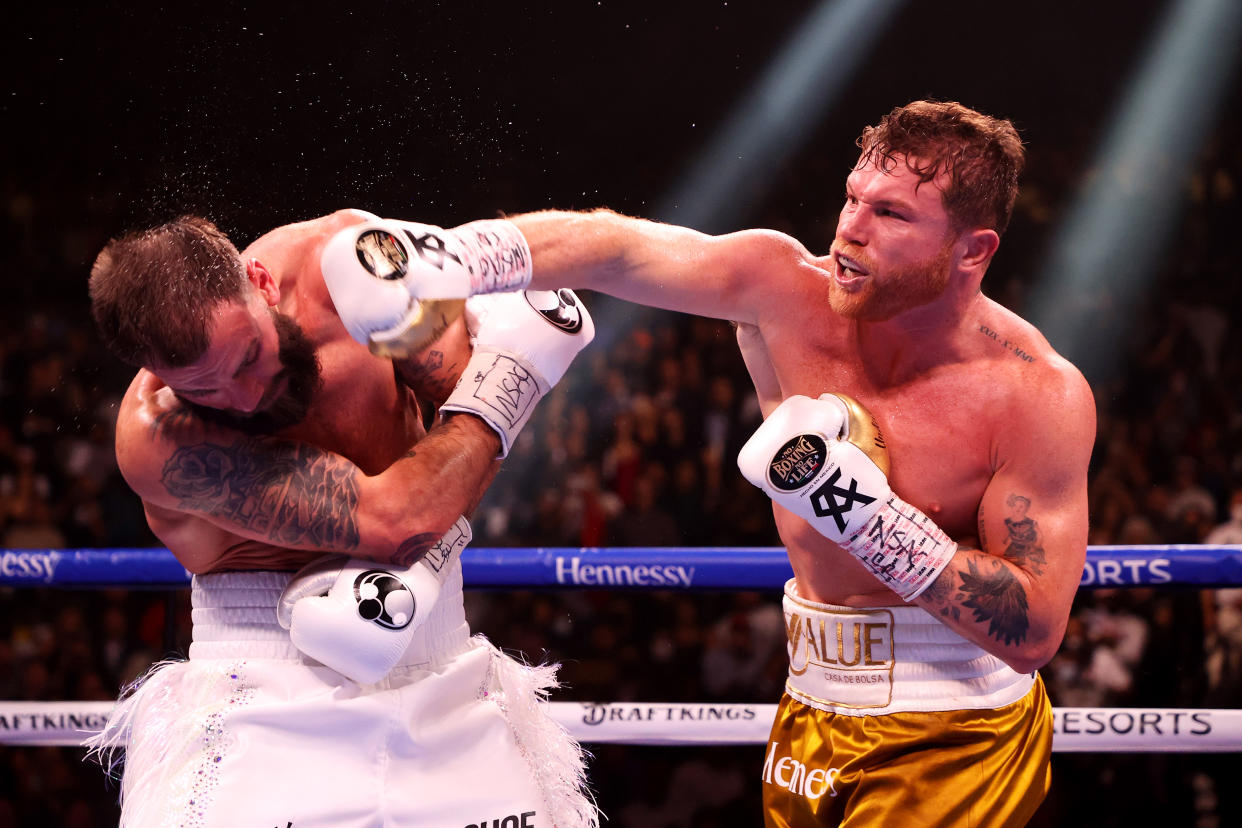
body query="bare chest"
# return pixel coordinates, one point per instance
(361, 412)
(939, 425)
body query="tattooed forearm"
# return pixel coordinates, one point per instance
(292, 494)
(428, 374)
(939, 595)
(413, 548)
(997, 598)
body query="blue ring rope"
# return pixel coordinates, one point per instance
(651, 567)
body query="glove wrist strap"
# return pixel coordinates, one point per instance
(500, 387)
(497, 257)
(902, 547)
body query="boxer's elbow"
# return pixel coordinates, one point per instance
(389, 525)
(1036, 651)
(1029, 659)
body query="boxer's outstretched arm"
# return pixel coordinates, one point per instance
(663, 265)
(297, 496)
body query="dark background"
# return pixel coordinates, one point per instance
(257, 114)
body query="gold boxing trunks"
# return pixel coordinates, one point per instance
(889, 718)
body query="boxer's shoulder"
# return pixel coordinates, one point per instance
(1022, 361)
(303, 238)
(152, 423)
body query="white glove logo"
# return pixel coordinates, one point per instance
(432, 250)
(382, 254)
(797, 462)
(384, 599)
(559, 307)
(830, 500)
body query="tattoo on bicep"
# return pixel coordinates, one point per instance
(413, 548)
(997, 598)
(983, 529)
(1024, 544)
(292, 494)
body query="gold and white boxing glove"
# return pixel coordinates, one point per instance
(397, 284)
(825, 460)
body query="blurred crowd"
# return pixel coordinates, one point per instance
(636, 448)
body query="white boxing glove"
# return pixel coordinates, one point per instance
(358, 616)
(389, 279)
(825, 460)
(523, 344)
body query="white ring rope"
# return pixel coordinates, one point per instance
(1077, 729)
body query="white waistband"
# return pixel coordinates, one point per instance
(866, 662)
(234, 615)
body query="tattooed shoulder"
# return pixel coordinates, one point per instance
(176, 425)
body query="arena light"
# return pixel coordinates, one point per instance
(777, 115)
(1109, 244)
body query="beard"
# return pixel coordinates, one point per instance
(299, 369)
(906, 287)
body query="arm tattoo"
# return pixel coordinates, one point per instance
(290, 493)
(997, 598)
(1025, 543)
(172, 423)
(983, 529)
(428, 375)
(413, 548)
(940, 593)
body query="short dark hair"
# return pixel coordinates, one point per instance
(982, 157)
(153, 291)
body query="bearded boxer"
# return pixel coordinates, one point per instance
(904, 412)
(340, 688)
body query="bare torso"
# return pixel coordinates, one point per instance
(361, 411)
(942, 409)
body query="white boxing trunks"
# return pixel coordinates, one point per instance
(868, 662)
(251, 732)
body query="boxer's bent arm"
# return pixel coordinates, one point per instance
(661, 265)
(432, 373)
(1013, 596)
(297, 496)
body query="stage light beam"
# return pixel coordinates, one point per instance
(1108, 246)
(777, 115)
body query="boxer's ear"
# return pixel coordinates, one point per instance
(975, 248)
(263, 280)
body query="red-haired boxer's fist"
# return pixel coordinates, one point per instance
(387, 278)
(825, 460)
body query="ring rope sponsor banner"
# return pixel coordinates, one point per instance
(653, 567)
(1076, 729)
